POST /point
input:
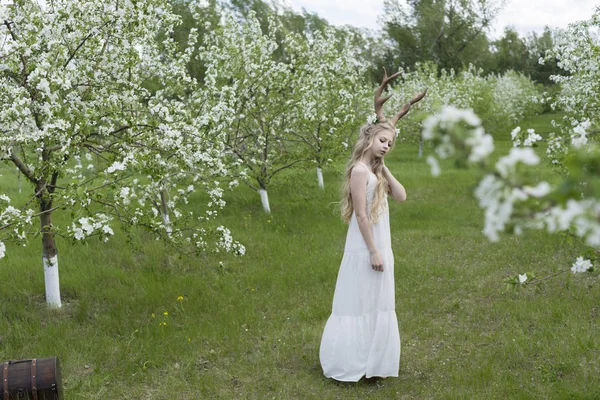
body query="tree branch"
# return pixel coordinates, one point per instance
(77, 49)
(471, 38)
(288, 166)
(108, 184)
(23, 60)
(34, 216)
(547, 277)
(52, 186)
(72, 55)
(35, 196)
(23, 168)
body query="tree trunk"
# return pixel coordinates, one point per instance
(164, 211)
(320, 177)
(49, 258)
(421, 145)
(265, 200)
(19, 179)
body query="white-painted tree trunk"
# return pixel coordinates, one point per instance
(49, 253)
(52, 281)
(164, 212)
(320, 177)
(264, 197)
(167, 221)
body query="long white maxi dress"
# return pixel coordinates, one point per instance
(361, 337)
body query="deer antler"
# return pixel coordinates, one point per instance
(379, 101)
(406, 108)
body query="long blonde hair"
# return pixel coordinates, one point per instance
(368, 133)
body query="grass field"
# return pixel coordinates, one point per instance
(250, 327)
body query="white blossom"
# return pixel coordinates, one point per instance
(527, 138)
(506, 165)
(581, 265)
(88, 226)
(126, 194)
(514, 135)
(227, 243)
(531, 138)
(116, 166)
(465, 125)
(482, 145)
(579, 135)
(540, 190)
(498, 204)
(435, 166)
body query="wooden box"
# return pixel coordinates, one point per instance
(36, 379)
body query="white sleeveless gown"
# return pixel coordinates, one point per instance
(361, 337)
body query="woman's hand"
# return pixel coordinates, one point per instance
(376, 261)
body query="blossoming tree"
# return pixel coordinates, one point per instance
(515, 201)
(328, 89)
(500, 101)
(81, 126)
(576, 50)
(240, 58)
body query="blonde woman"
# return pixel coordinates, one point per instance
(361, 337)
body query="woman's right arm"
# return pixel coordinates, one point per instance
(358, 190)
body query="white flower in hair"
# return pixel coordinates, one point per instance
(371, 119)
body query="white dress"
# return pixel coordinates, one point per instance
(361, 337)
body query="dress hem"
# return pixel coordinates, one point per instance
(363, 376)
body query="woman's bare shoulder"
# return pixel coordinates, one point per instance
(359, 170)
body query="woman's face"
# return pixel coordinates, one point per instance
(382, 143)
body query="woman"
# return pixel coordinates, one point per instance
(361, 337)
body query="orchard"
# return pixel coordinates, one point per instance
(186, 157)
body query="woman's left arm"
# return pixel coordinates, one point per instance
(397, 191)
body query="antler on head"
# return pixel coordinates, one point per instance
(406, 108)
(379, 101)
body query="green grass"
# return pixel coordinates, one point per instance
(250, 328)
